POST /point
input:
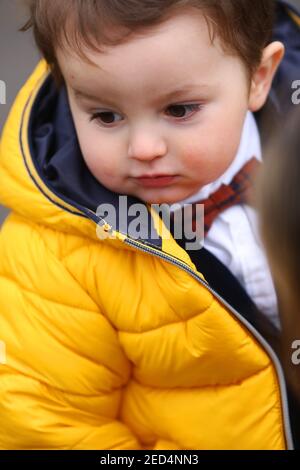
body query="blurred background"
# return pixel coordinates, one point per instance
(18, 55)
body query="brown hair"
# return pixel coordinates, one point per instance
(244, 26)
(279, 208)
(279, 201)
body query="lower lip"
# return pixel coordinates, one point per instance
(158, 182)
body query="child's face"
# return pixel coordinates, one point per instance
(129, 125)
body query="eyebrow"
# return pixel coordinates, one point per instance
(167, 96)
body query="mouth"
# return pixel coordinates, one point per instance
(156, 181)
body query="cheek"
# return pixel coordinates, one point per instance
(208, 155)
(101, 164)
(99, 155)
(211, 152)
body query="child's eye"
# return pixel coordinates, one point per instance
(179, 110)
(106, 117)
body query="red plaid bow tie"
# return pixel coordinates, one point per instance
(237, 192)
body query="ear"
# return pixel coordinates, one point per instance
(263, 76)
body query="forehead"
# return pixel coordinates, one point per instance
(163, 55)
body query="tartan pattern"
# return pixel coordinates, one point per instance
(239, 191)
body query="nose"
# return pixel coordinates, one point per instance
(146, 145)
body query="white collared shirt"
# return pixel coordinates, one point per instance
(233, 237)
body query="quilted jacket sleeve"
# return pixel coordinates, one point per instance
(61, 382)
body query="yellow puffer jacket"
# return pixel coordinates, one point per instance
(114, 343)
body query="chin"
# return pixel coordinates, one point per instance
(156, 198)
(161, 200)
(167, 199)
